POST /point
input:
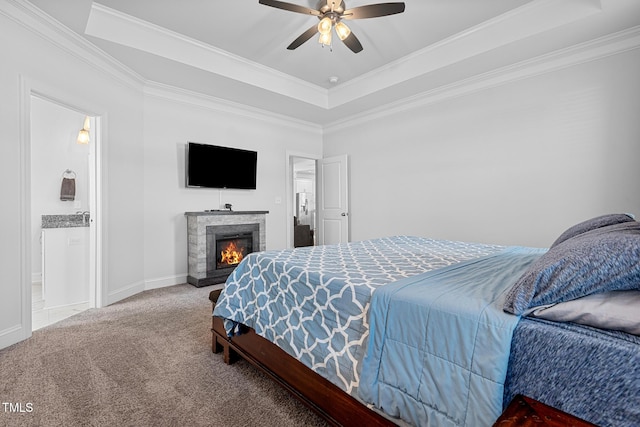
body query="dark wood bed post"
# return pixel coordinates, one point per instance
(220, 343)
(319, 394)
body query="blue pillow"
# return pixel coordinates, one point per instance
(600, 260)
(592, 224)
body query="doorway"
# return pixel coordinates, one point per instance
(304, 201)
(64, 211)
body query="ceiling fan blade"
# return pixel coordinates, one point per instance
(353, 43)
(303, 37)
(290, 7)
(374, 10)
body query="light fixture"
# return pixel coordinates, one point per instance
(342, 30)
(324, 26)
(325, 39)
(83, 134)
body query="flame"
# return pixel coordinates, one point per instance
(231, 254)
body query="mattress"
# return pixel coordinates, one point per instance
(587, 372)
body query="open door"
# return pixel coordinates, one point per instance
(333, 200)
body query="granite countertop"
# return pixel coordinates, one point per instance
(65, 221)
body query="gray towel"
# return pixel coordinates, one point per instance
(68, 189)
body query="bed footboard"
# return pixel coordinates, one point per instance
(326, 399)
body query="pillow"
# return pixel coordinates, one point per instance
(616, 310)
(592, 224)
(604, 259)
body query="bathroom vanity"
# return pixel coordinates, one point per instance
(65, 259)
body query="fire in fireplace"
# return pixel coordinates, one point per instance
(230, 250)
(226, 246)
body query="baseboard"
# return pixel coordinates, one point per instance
(12, 335)
(127, 292)
(163, 282)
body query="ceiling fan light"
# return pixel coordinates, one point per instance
(324, 26)
(325, 39)
(342, 30)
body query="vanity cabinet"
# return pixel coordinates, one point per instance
(65, 266)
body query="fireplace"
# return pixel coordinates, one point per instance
(227, 245)
(208, 230)
(232, 248)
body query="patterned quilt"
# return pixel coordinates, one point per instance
(314, 302)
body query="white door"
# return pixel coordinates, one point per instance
(333, 200)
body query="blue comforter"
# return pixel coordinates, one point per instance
(439, 342)
(313, 302)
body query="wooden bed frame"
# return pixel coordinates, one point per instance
(326, 399)
(334, 405)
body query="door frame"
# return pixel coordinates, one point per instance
(52, 94)
(289, 189)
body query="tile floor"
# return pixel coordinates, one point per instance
(42, 317)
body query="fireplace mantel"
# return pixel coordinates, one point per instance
(225, 212)
(197, 223)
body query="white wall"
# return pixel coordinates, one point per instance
(512, 164)
(54, 131)
(168, 125)
(62, 71)
(144, 197)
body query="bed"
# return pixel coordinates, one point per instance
(408, 330)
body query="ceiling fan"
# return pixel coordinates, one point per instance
(331, 13)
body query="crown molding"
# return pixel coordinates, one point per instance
(592, 50)
(197, 99)
(54, 32)
(525, 21)
(33, 19)
(51, 30)
(117, 27)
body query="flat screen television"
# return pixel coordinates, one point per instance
(212, 166)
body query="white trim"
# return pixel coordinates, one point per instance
(29, 88)
(50, 29)
(289, 190)
(102, 209)
(129, 291)
(517, 24)
(12, 335)
(35, 20)
(95, 210)
(184, 96)
(24, 100)
(117, 27)
(593, 50)
(163, 282)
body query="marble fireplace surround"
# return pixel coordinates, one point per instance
(197, 223)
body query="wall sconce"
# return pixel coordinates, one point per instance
(83, 134)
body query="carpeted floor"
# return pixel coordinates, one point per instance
(145, 361)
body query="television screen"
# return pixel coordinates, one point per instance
(213, 166)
